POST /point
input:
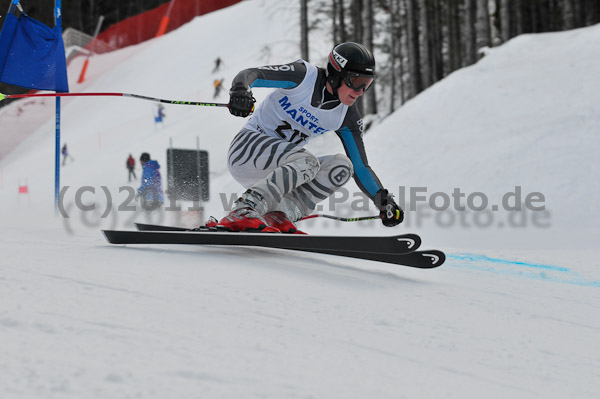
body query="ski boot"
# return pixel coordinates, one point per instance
(212, 222)
(246, 215)
(245, 219)
(280, 221)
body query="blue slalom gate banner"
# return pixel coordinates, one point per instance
(32, 55)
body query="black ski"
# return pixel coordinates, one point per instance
(389, 249)
(158, 227)
(420, 259)
(390, 244)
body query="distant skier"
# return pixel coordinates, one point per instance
(131, 167)
(150, 192)
(160, 114)
(218, 83)
(65, 153)
(218, 63)
(285, 181)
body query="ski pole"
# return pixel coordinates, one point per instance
(341, 219)
(159, 100)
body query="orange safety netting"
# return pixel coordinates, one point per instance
(154, 22)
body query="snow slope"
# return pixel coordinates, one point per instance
(513, 313)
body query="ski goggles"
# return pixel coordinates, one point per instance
(358, 82)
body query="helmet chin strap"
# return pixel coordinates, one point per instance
(333, 89)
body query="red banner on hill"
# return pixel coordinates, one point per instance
(145, 26)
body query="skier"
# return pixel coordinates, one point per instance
(218, 62)
(131, 167)
(160, 115)
(218, 83)
(65, 153)
(150, 192)
(284, 181)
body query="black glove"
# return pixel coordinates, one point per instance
(241, 101)
(390, 213)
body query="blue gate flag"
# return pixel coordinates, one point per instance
(32, 55)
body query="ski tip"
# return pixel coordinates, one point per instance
(2, 96)
(410, 241)
(436, 258)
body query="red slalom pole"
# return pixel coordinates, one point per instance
(165, 20)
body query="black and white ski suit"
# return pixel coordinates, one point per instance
(267, 155)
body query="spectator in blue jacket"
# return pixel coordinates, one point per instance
(150, 192)
(160, 116)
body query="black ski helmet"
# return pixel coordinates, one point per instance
(145, 157)
(349, 59)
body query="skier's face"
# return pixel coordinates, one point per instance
(348, 95)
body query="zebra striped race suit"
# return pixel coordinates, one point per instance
(268, 157)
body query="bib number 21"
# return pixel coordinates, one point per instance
(297, 137)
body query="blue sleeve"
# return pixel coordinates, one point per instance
(147, 178)
(285, 76)
(351, 135)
